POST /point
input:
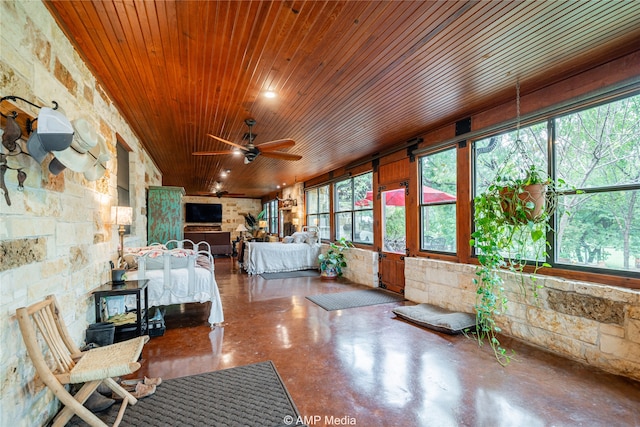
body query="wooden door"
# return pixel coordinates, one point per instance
(393, 248)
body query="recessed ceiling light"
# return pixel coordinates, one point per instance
(270, 94)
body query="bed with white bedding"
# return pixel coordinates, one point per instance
(298, 253)
(177, 275)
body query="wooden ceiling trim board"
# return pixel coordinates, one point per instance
(320, 57)
(419, 76)
(282, 36)
(82, 42)
(217, 79)
(205, 66)
(330, 54)
(151, 46)
(139, 107)
(223, 84)
(364, 87)
(363, 61)
(234, 115)
(392, 84)
(255, 61)
(214, 70)
(295, 56)
(448, 71)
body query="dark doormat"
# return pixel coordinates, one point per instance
(251, 395)
(290, 274)
(361, 298)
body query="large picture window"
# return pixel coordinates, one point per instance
(354, 209)
(596, 151)
(511, 154)
(438, 176)
(318, 210)
(271, 216)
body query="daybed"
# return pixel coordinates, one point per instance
(296, 252)
(177, 275)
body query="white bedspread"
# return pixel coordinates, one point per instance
(204, 289)
(178, 276)
(273, 257)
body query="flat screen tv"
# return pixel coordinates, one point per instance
(203, 212)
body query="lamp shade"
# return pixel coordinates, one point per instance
(262, 224)
(295, 221)
(241, 228)
(121, 215)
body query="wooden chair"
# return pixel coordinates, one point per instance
(72, 366)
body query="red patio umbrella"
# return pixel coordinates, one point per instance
(396, 197)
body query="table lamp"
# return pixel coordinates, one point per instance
(241, 229)
(262, 224)
(121, 216)
(295, 222)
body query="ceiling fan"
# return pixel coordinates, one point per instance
(219, 194)
(251, 151)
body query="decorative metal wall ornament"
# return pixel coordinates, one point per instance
(10, 136)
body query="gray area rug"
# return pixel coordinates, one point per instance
(362, 298)
(251, 395)
(290, 274)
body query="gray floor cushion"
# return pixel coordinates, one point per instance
(436, 318)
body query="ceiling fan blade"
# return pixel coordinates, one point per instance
(241, 147)
(212, 153)
(280, 155)
(276, 145)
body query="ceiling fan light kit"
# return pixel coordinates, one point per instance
(251, 151)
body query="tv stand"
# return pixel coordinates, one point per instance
(220, 241)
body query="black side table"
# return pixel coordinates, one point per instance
(129, 287)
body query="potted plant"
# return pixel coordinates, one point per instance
(511, 220)
(333, 261)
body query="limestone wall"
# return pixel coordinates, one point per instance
(592, 323)
(362, 266)
(55, 238)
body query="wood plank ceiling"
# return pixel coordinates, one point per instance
(352, 77)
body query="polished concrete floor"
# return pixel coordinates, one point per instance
(365, 367)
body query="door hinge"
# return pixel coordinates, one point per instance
(405, 184)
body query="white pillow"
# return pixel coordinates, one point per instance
(287, 239)
(300, 237)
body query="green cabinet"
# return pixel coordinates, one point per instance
(164, 214)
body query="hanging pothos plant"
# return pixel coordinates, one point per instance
(511, 225)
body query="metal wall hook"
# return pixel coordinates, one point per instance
(29, 122)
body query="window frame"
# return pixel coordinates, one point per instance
(271, 216)
(315, 212)
(552, 165)
(123, 179)
(421, 204)
(353, 211)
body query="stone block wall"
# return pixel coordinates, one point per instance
(362, 266)
(593, 323)
(56, 236)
